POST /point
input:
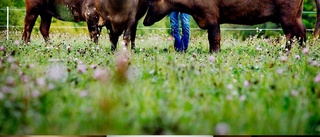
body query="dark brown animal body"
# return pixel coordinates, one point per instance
(209, 14)
(317, 26)
(121, 16)
(65, 10)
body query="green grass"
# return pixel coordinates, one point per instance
(251, 87)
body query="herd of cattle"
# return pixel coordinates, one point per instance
(122, 16)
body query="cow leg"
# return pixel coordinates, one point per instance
(114, 33)
(297, 30)
(93, 25)
(94, 30)
(29, 22)
(301, 32)
(114, 39)
(288, 30)
(45, 26)
(130, 31)
(317, 25)
(214, 38)
(289, 37)
(133, 35)
(127, 37)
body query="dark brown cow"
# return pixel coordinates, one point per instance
(121, 15)
(317, 26)
(209, 14)
(65, 10)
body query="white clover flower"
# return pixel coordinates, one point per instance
(294, 93)
(243, 97)
(283, 58)
(222, 129)
(57, 72)
(82, 68)
(305, 51)
(212, 59)
(41, 82)
(246, 83)
(83, 93)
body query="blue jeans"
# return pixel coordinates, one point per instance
(180, 43)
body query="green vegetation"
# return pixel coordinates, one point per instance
(72, 86)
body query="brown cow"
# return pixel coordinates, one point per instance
(65, 10)
(209, 14)
(121, 15)
(317, 26)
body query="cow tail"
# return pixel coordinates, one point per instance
(317, 25)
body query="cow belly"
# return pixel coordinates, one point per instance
(119, 18)
(249, 20)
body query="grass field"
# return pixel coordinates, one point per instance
(72, 86)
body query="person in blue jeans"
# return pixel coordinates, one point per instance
(180, 42)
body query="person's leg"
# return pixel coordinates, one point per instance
(174, 22)
(185, 22)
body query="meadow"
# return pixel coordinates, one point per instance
(72, 86)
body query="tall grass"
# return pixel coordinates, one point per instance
(72, 86)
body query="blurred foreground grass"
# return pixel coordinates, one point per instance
(72, 86)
